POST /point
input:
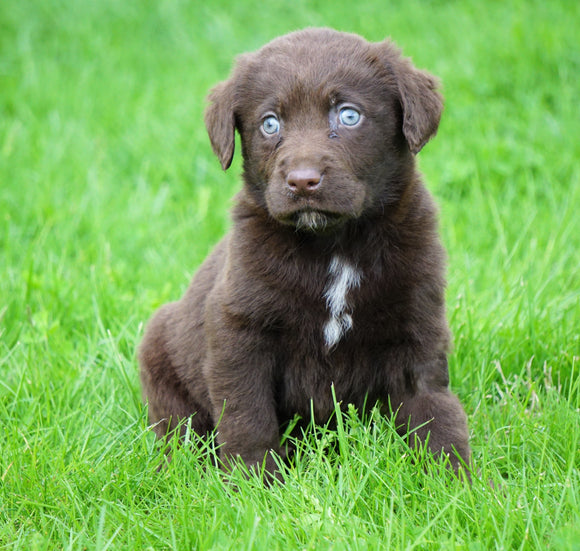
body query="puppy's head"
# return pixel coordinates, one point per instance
(329, 125)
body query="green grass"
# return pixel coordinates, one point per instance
(110, 198)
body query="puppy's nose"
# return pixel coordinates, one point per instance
(303, 181)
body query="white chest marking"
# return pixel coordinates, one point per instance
(342, 278)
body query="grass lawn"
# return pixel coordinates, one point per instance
(110, 198)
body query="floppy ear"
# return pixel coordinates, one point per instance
(421, 102)
(422, 105)
(220, 122)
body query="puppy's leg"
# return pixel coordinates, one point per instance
(436, 417)
(168, 396)
(239, 377)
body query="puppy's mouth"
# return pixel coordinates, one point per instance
(313, 221)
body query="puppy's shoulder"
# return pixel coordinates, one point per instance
(208, 274)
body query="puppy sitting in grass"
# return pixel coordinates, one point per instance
(332, 278)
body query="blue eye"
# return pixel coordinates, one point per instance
(349, 116)
(270, 125)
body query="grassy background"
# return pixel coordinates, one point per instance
(110, 198)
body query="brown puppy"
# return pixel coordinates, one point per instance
(333, 273)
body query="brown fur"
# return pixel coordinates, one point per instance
(247, 345)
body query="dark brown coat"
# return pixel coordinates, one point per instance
(333, 273)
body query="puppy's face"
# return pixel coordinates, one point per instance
(328, 124)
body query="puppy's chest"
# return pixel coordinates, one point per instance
(323, 314)
(342, 279)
